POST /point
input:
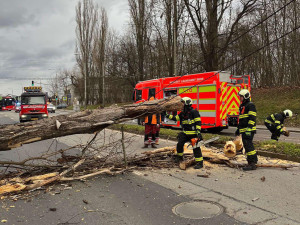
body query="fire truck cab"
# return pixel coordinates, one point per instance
(214, 95)
(33, 104)
(7, 103)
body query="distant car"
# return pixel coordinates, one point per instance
(51, 108)
(62, 106)
(18, 107)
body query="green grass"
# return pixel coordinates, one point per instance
(289, 149)
(166, 133)
(274, 100)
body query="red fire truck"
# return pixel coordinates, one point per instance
(7, 103)
(214, 95)
(33, 104)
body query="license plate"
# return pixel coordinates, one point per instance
(34, 118)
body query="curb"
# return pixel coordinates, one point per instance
(278, 156)
(288, 128)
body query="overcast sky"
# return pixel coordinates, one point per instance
(37, 38)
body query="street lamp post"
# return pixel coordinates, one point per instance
(85, 75)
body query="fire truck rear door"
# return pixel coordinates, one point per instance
(207, 104)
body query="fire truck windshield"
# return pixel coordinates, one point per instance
(33, 100)
(8, 101)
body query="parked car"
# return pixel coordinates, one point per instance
(62, 106)
(18, 107)
(51, 108)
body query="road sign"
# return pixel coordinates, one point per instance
(64, 98)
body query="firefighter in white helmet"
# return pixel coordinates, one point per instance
(190, 122)
(275, 121)
(247, 127)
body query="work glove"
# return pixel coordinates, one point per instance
(285, 132)
(199, 135)
(248, 132)
(237, 132)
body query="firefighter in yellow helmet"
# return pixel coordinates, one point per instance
(275, 121)
(190, 122)
(247, 127)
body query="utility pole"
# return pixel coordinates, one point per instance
(103, 90)
(85, 76)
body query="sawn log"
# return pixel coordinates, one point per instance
(88, 121)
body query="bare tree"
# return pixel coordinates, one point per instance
(207, 17)
(86, 19)
(99, 54)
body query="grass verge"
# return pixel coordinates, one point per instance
(285, 148)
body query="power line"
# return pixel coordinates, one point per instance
(234, 40)
(257, 50)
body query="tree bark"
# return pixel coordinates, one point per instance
(88, 121)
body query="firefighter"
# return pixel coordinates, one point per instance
(274, 123)
(152, 125)
(247, 127)
(190, 122)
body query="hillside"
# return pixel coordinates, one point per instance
(272, 100)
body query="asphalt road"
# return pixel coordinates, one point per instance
(149, 197)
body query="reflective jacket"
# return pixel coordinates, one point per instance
(247, 117)
(153, 119)
(276, 119)
(190, 121)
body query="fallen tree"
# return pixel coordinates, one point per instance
(88, 121)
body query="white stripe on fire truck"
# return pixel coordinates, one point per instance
(207, 113)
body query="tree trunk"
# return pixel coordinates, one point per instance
(88, 121)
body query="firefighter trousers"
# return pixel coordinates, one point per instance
(272, 128)
(150, 133)
(249, 148)
(182, 139)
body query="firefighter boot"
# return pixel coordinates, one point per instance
(198, 165)
(274, 137)
(153, 145)
(250, 166)
(178, 159)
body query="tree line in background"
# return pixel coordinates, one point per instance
(176, 37)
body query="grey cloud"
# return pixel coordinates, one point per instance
(14, 16)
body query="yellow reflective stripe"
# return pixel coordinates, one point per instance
(198, 127)
(273, 117)
(187, 122)
(180, 154)
(197, 119)
(253, 128)
(170, 117)
(268, 121)
(189, 132)
(251, 122)
(278, 127)
(251, 153)
(243, 130)
(177, 118)
(277, 121)
(243, 116)
(252, 113)
(199, 159)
